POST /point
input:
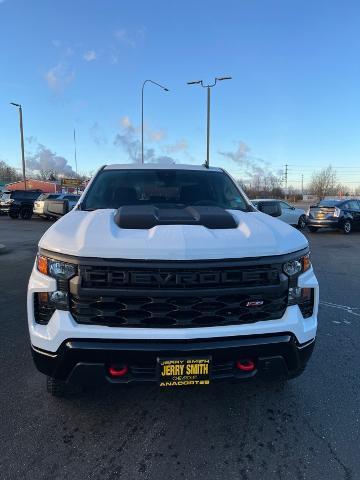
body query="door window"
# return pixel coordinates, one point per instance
(353, 205)
(285, 206)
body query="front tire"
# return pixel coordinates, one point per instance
(313, 229)
(14, 215)
(347, 227)
(25, 213)
(302, 222)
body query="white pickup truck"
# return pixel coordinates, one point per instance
(168, 274)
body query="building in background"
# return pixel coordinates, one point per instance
(32, 184)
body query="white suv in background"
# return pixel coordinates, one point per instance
(289, 214)
(39, 204)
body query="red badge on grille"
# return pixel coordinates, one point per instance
(255, 303)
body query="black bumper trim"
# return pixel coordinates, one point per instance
(180, 346)
(86, 361)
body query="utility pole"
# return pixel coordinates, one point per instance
(75, 157)
(208, 87)
(302, 184)
(208, 128)
(286, 180)
(21, 141)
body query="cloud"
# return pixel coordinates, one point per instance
(56, 43)
(250, 165)
(45, 159)
(96, 134)
(129, 141)
(90, 56)
(123, 36)
(154, 135)
(59, 76)
(179, 146)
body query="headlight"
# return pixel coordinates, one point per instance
(55, 268)
(45, 303)
(299, 265)
(337, 212)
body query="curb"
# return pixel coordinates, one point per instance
(3, 248)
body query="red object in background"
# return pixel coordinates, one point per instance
(43, 185)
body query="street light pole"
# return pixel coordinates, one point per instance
(21, 141)
(142, 113)
(208, 87)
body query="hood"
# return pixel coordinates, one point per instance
(95, 234)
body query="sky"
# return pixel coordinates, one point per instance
(294, 97)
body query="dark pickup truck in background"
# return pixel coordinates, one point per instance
(19, 203)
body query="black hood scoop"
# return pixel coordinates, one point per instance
(148, 216)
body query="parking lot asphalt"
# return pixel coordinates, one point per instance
(308, 429)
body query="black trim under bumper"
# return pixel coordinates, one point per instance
(87, 361)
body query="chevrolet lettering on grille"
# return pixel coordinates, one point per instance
(178, 279)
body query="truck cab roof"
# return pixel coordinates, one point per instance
(159, 166)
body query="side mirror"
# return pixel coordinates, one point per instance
(56, 208)
(270, 208)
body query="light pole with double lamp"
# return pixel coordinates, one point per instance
(142, 113)
(21, 140)
(208, 87)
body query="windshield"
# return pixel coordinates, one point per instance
(179, 188)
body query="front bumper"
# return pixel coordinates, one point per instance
(87, 362)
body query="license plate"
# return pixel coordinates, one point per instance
(178, 372)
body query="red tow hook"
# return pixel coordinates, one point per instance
(245, 364)
(118, 370)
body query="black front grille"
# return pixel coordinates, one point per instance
(165, 311)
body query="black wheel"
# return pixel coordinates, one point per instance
(56, 387)
(26, 213)
(302, 222)
(347, 227)
(313, 229)
(14, 215)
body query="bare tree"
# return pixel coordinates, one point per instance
(47, 174)
(8, 174)
(323, 182)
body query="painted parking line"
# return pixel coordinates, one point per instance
(345, 308)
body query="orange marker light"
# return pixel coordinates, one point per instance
(306, 263)
(42, 264)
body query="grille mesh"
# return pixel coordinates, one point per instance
(177, 312)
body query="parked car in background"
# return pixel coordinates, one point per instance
(40, 202)
(19, 203)
(4, 206)
(289, 214)
(341, 214)
(55, 208)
